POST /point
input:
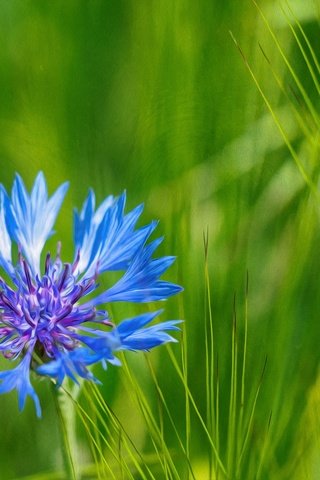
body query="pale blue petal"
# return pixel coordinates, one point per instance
(71, 364)
(141, 281)
(5, 240)
(129, 326)
(30, 219)
(133, 337)
(145, 341)
(19, 378)
(107, 239)
(130, 335)
(86, 225)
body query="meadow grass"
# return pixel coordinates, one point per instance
(114, 449)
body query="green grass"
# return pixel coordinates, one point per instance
(219, 135)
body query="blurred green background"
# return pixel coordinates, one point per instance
(155, 98)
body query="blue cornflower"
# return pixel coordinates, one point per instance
(46, 321)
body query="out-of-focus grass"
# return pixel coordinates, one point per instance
(154, 97)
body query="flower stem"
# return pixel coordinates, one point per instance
(64, 439)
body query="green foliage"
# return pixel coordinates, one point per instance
(219, 135)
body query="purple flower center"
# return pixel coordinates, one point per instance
(43, 312)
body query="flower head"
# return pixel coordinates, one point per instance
(45, 313)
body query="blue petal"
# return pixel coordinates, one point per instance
(5, 240)
(151, 337)
(129, 326)
(82, 222)
(130, 335)
(70, 364)
(30, 219)
(102, 347)
(107, 239)
(54, 369)
(133, 337)
(141, 281)
(19, 379)
(85, 228)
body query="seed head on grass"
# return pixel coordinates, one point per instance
(45, 311)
